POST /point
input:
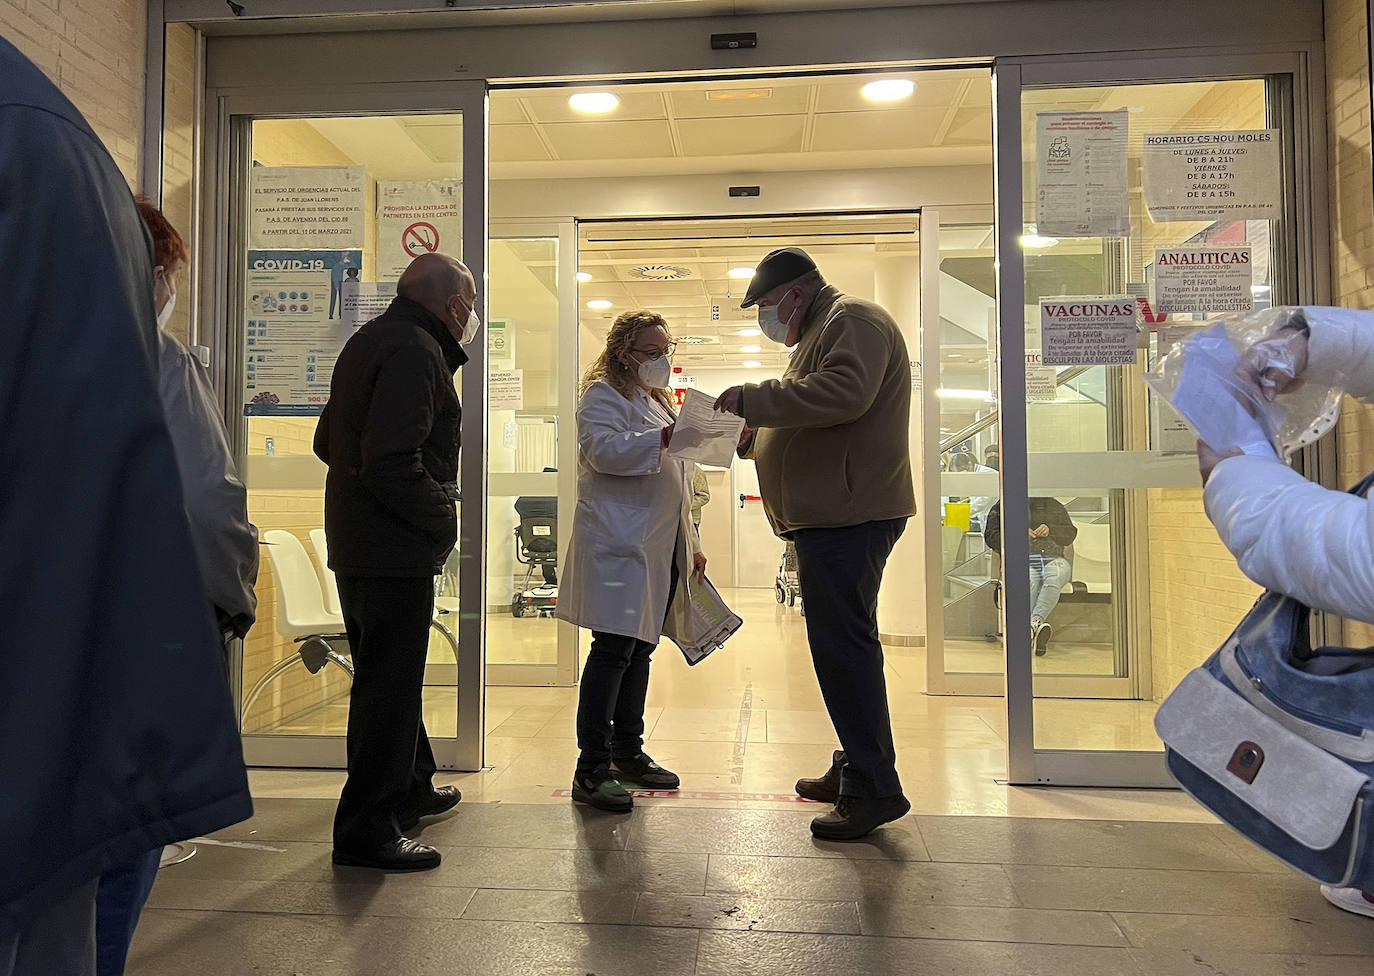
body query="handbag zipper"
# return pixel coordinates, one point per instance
(1307, 715)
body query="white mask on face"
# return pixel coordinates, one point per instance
(470, 326)
(656, 373)
(165, 315)
(772, 324)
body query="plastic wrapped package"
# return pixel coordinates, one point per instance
(1236, 382)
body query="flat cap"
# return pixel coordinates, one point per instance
(777, 268)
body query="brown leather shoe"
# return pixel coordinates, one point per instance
(857, 816)
(825, 789)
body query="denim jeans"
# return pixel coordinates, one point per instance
(1048, 575)
(118, 902)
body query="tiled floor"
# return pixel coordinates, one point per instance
(724, 878)
(671, 889)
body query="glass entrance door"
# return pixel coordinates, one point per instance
(326, 204)
(1114, 584)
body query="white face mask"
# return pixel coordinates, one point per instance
(772, 325)
(164, 316)
(470, 327)
(656, 373)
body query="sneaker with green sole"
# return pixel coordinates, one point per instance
(600, 789)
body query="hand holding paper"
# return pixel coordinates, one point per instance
(703, 434)
(1215, 404)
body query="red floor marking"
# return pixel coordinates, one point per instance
(689, 795)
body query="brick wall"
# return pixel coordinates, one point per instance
(1352, 216)
(94, 51)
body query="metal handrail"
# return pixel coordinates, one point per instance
(983, 423)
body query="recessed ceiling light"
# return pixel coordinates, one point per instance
(752, 364)
(584, 276)
(598, 303)
(594, 103)
(749, 332)
(889, 89)
(751, 349)
(741, 272)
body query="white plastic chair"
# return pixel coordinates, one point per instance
(301, 613)
(320, 543)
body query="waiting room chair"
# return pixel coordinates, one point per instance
(301, 614)
(320, 543)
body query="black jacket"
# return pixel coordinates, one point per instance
(117, 734)
(390, 436)
(1043, 511)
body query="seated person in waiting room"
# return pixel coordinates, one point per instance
(1051, 530)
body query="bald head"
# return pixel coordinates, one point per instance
(443, 285)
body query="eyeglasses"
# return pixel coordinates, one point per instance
(654, 353)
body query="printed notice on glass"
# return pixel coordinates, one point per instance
(1081, 168)
(1203, 279)
(362, 301)
(1213, 175)
(416, 217)
(307, 207)
(1088, 331)
(506, 389)
(293, 336)
(1041, 380)
(704, 434)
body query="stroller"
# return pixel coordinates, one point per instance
(787, 589)
(536, 546)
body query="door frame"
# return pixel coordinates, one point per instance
(226, 164)
(1011, 76)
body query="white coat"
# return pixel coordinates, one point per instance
(633, 518)
(1287, 533)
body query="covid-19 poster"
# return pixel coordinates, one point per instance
(293, 310)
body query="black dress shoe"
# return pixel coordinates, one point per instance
(442, 800)
(643, 771)
(857, 816)
(826, 789)
(401, 854)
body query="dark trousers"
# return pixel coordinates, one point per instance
(119, 900)
(610, 704)
(840, 572)
(390, 763)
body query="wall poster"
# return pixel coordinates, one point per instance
(306, 207)
(416, 217)
(1231, 175)
(1088, 331)
(1081, 174)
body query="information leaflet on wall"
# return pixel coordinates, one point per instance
(1088, 331)
(1172, 435)
(1202, 280)
(307, 207)
(1081, 171)
(1213, 175)
(416, 217)
(500, 351)
(1041, 380)
(293, 314)
(362, 302)
(506, 389)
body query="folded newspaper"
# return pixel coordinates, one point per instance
(700, 623)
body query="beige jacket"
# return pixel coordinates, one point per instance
(831, 435)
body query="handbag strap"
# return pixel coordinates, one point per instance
(1362, 489)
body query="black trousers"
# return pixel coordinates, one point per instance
(390, 763)
(840, 572)
(610, 704)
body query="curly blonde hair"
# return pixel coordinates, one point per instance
(609, 366)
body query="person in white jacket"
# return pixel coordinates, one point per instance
(633, 545)
(1287, 533)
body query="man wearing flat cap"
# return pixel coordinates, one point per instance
(830, 441)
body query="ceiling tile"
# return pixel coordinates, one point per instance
(908, 129)
(781, 99)
(610, 140)
(971, 127)
(752, 134)
(636, 104)
(512, 143)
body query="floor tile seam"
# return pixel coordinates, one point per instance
(1090, 867)
(1277, 916)
(957, 901)
(1124, 945)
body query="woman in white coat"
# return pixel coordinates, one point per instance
(1287, 533)
(633, 544)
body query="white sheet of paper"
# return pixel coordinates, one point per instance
(703, 434)
(1205, 397)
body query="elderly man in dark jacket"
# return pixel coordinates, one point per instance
(117, 735)
(390, 437)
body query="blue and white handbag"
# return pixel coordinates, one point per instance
(1277, 740)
